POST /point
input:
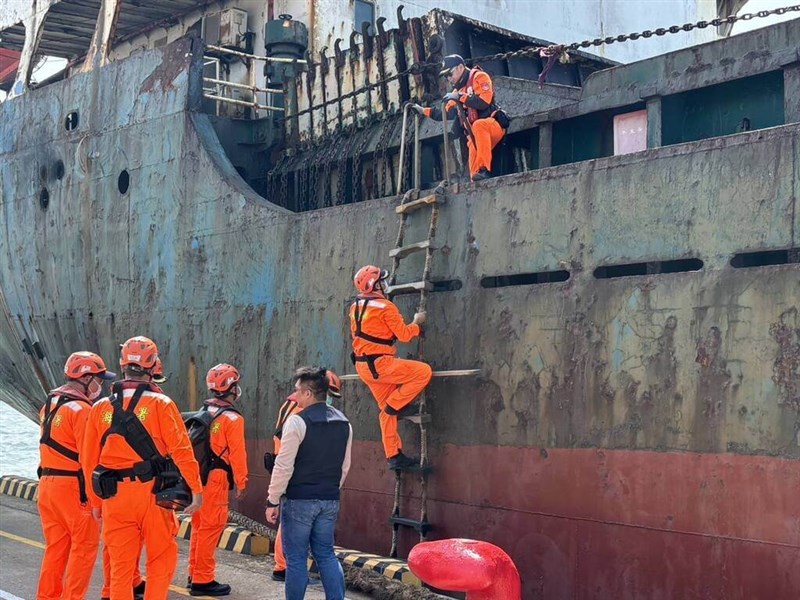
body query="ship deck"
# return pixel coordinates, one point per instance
(21, 546)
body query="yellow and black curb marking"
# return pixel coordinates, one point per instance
(236, 539)
(21, 487)
(243, 541)
(233, 538)
(391, 568)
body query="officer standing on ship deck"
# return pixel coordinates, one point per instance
(472, 103)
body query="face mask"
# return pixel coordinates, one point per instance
(94, 390)
(238, 391)
(329, 401)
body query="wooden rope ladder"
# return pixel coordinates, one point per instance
(410, 203)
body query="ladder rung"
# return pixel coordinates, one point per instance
(454, 373)
(421, 526)
(409, 288)
(410, 207)
(404, 251)
(418, 419)
(416, 468)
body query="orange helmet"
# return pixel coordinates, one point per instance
(158, 372)
(368, 277)
(221, 378)
(139, 351)
(86, 363)
(334, 384)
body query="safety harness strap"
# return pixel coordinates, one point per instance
(47, 425)
(124, 422)
(47, 440)
(358, 315)
(78, 474)
(216, 459)
(284, 413)
(370, 360)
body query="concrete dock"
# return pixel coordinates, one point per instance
(21, 547)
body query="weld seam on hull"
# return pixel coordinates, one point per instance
(535, 513)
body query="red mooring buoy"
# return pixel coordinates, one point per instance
(481, 569)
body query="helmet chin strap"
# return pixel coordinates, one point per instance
(230, 397)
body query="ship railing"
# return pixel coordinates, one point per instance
(417, 161)
(218, 86)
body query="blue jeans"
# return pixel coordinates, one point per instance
(310, 523)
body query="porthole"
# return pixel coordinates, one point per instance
(123, 182)
(71, 121)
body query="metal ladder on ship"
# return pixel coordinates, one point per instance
(410, 203)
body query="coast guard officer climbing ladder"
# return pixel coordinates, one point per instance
(410, 203)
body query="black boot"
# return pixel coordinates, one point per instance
(407, 411)
(212, 588)
(279, 575)
(400, 461)
(481, 174)
(138, 590)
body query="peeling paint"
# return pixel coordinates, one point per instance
(786, 368)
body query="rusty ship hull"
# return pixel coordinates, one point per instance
(632, 433)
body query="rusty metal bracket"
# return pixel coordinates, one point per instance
(338, 52)
(402, 24)
(368, 40)
(382, 33)
(324, 67)
(354, 52)
(339, 64)
(382, 41)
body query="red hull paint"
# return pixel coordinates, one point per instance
(595, 523)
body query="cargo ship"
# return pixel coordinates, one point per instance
(625, 289)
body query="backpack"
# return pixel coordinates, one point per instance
(198, 424)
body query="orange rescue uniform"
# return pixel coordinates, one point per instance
(132, 514)
(71, 535)
(288, 408)
(208, 523)
(398, 381)
(137, 573)
(475, 113)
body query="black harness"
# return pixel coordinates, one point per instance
(217, 461)
(124, 422)
(47, 440)
(358, 315)
(283, 414)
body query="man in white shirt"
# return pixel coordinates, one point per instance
(304, 489)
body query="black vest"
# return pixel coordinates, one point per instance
(318, 465)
